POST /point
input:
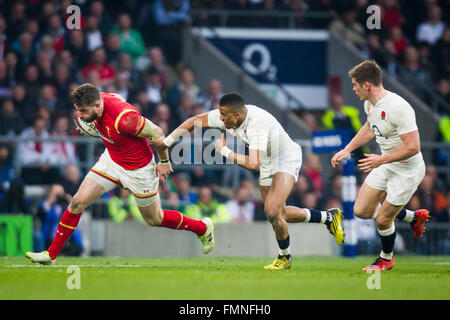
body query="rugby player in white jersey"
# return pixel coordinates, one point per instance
(396, 173)
(274, 154)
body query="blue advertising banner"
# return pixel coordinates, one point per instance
(297, 59)
(330, 140)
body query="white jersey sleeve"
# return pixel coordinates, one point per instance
(404, 119)
(214, 120)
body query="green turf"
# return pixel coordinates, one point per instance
(224, 278)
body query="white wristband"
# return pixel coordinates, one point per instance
(168, 141)
(225, 151)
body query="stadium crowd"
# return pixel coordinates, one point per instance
(133, 48)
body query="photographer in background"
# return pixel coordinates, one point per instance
(50, 211)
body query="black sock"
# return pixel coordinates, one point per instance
(316, 216)
(401, 215)
(387, 241)
(284, 244)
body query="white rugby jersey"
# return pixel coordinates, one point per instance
(389, 118)
(260, 131)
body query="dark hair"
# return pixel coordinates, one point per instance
(366, 71)
(232, 100)
(85, 95)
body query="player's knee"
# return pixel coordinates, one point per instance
(362, 213)
(153, 219)
(383, 222)
(77, 205)
(273, 212)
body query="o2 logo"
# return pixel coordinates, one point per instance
(265, 65)
(377, 131)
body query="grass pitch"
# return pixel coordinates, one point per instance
(223, 278)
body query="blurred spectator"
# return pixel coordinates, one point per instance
(398, 39)
(61, 81)
(412, 73)
(11, 122)
(16, 20)
(124, 87)
(186, 85)
(112, 47)
(125, 65)
(7, 174)
(210, 100)
(157, 60)
(63, 152)
(341, 116)
(77, 46)
(97, 9)
(301, 188)
(25, 50)
(31, 82)
(333, 189)
(35, 153)
(313, 170)
(34, 156)
(241, 207)
(123, 206)
(440, 53)
(44, 64)
(153, 86)
(348, 28)
(431, 30)
(13, 70)
(391, 15)
(207, 206)
(50, 212)
(185, 107)
(72, 179)
(183, 187)
(131, 40)
(105, 72)
(47, 97)
(94, 37)
(163, 114)
(56, 31)
(170, 18)
(432, 199)
(310, 121)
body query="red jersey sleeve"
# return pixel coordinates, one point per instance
(130, 123)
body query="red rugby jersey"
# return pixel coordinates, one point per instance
(125, 148)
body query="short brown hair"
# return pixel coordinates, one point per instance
(84, 95)
(366, 71)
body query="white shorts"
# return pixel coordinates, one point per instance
(289, 162)
(142, 182)
(399, 181)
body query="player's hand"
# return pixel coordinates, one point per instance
(220, 143)
(371, 161)
(338, 157)
(163, 170)
(158, 144)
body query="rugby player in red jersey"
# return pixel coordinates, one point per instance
(127, 162)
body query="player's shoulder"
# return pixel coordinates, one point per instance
(397, 103)
(115, 104)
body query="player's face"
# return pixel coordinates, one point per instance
(228, 117)
(361, 90)
(88, 113)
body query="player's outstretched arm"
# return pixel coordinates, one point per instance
(252, 161)
(199, 121)
(364, 135)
